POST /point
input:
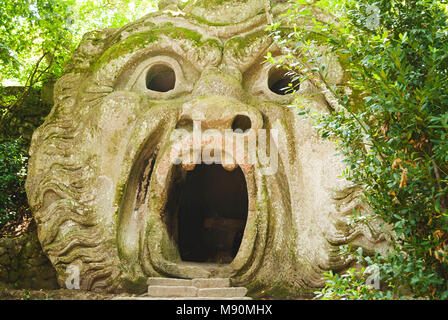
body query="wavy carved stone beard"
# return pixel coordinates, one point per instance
(105, 198)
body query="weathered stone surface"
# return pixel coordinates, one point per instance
(211, 283)
(172, 291)
(4, 260)
(102, 185)
(222, 292)
(169, 282)
(3, 274)
(182, 298)
(31, 115)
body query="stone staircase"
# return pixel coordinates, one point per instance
(192, 289)
(206, 288)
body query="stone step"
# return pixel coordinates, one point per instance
(234, 292)
(211, 282)
(169, 282)
(194, 289)
(182, 298)
(172, 291)
(198, 283)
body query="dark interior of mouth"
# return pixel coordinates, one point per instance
(207, 213)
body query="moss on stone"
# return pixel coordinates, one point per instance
(4, 260)
(206, 4)
(26, 265)
(184, 33)
(119, 194)
(143, 39)
(211, 4)
(137, 286)
(240, 44)
(130, 44)
(209, 23)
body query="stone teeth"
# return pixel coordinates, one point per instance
(229, 167)
(188, 166)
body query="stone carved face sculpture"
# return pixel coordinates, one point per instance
(107, 198)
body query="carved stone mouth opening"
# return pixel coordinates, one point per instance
(190, 220)
(206, 213)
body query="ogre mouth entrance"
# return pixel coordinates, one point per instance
(211, 214)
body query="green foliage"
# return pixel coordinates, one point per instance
(391, 126)
(348, 286)
(37, 37)
(364, 284)
(13, 161)
(31, 29)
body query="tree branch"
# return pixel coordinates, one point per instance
(32, 79)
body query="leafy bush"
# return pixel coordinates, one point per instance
(13, 161)
(352, 285)
(392, 125)
(38, 37)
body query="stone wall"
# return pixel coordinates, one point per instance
(22, 261)
(24, 265)
(31, 113)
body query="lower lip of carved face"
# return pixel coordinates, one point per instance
(206, 212)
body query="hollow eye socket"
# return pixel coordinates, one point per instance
(279, 80)
(241, 124)
(160, 78)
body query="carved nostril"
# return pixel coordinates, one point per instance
(185, 123)
(161, 78)
(241, 123)
(281, 81)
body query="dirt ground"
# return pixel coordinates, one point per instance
(8, 293)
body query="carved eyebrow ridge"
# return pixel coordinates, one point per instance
(158, 39)
(242, 51)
